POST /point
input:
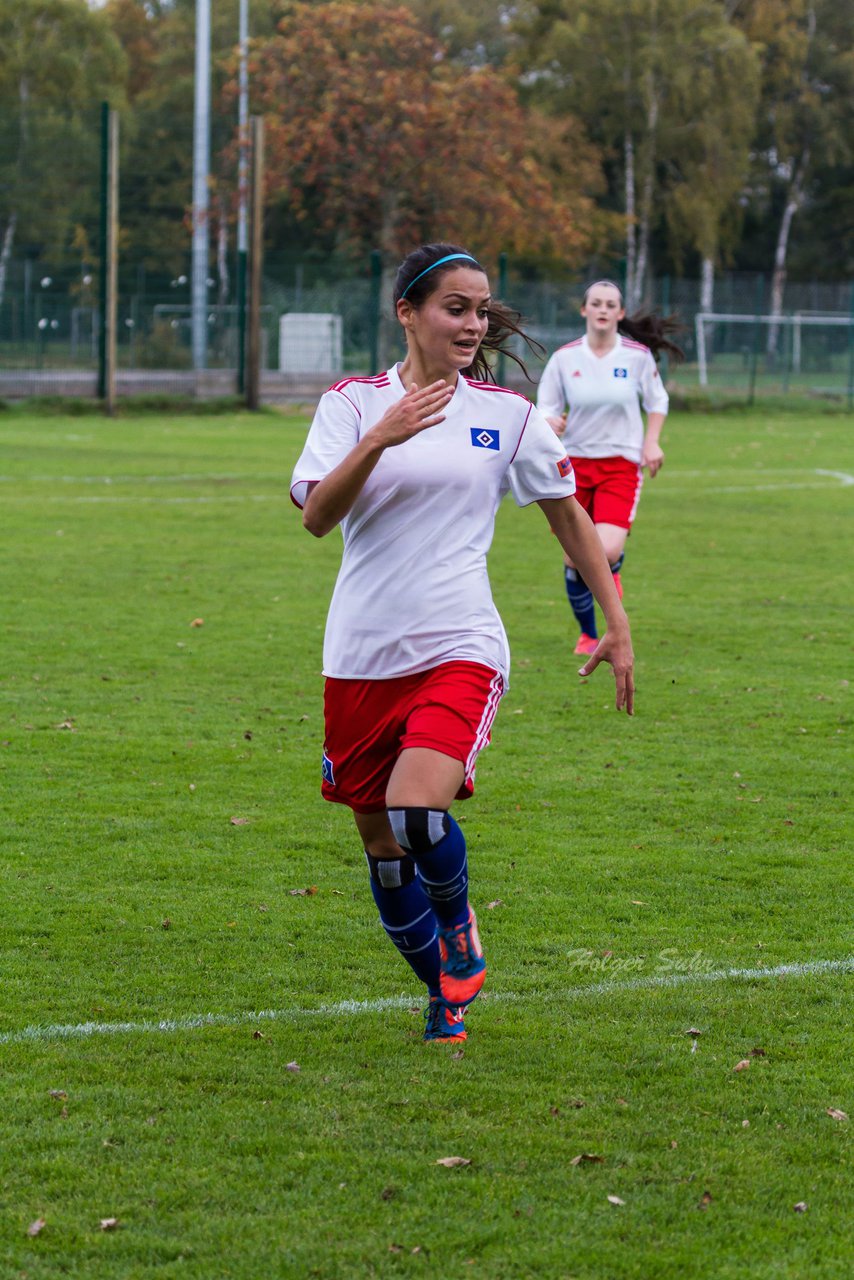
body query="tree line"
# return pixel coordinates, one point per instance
(642, 136)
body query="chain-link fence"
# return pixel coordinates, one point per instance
(317, 324)
(320, 317)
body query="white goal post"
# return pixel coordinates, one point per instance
(797, 321)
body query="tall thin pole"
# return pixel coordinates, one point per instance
(108, 284)
(242, 193)
(102, 246)
(201, 168)
(253, 333)
(502, 293)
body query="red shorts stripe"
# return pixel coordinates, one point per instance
(449, 708)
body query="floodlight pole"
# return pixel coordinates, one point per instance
(201, 169)
(242, 193)
(253, 330)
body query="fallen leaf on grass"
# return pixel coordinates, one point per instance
(239, 822)
(490, 906)
(743, 1065)
(453, 1162)
(705, 1200)
(108, 1224)
(35, 1227)
(292, 1066)
(58, 1093)
(757, 1053)
(836, 1114)
(197, 622)
(587, 1157)
(166, 924)
(637, 903)
(800, 1207)
(455, 1057)
(615, 1200)
(693, 1031)
(258, 1035)
(303, 893)
(65, 724)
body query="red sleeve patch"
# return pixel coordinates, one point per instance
(564, 468)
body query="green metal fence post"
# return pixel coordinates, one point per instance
(665, 309)
(374, 304)
(757, 337)
(502, 293)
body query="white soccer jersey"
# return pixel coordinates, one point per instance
(413, 590)
(602, 393)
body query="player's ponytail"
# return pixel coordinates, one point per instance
(653, 331)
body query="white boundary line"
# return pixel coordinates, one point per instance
(350, 1008)
(843, 479)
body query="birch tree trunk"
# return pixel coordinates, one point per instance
(707, 285)
(648, 191)
(631, 225)
(222, 252)
(794, 200)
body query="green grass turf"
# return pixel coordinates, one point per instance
(708, 833)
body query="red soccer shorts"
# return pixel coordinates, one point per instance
(369, 722)
(608, 489)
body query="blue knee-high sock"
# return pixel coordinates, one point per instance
(581, 601)
(407, 916)
(438, 847)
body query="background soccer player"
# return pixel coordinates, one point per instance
(412, 464)
(591, 391)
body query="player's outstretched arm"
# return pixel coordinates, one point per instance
(330, 499)
(575, 532)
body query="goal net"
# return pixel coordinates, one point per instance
(804, 345)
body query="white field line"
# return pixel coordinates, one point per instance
(842, 478)
(351, 1008)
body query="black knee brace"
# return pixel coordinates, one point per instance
(391, 873)
(418, 830)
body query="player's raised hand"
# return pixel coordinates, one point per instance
(419, 409)
(616, 648)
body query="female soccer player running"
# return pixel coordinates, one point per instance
(412, 464)
(590, 391)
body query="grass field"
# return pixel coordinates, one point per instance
(661, 899)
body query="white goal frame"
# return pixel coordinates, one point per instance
(797, 320)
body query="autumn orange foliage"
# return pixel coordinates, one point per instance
(372, 132)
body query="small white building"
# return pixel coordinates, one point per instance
(310, 342)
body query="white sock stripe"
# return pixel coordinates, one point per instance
(413, 951)
(435, 825)
(496, 693)
(344, 1008)
(445, 884)
(401, 928)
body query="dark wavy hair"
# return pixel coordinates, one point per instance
(647, 327)
(418, 277)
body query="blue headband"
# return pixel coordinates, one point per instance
(437, 263)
